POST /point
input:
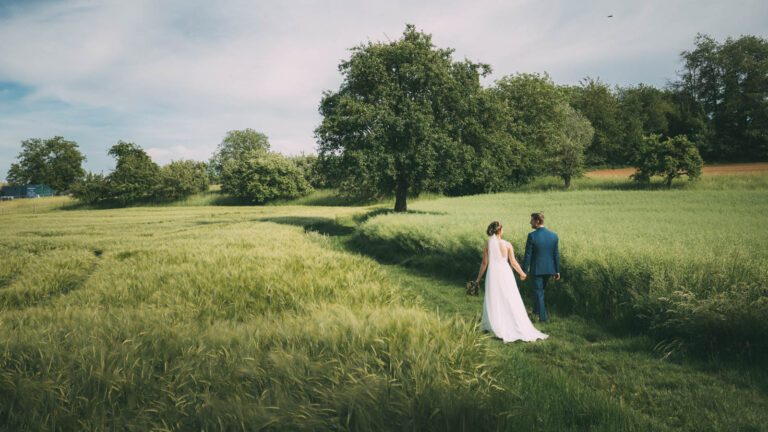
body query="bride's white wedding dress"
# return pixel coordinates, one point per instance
(503, 311)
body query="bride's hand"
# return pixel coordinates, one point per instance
(523, 276)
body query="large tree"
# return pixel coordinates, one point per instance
(56, 162)
(599, 104)
(553, 134)
(728, 84)
(535, 104)
(645, 110)
(406, 118)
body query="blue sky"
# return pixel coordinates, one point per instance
(174, 76)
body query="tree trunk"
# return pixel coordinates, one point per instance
(669, 182)
(401, 193)
(567, 180)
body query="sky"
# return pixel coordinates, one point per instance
(174, 76)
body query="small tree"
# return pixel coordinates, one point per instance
(182, 178)
(236, 145)
(55, 162)
(565, 156)
(135, 177)
(671, 158)
(263, 176)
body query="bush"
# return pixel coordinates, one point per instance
(137, 178)
(311, 168)
(263, 176)
(91, 189)
(182, 178)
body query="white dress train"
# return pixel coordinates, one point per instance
(503, 311)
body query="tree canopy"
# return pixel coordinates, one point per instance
(136, 178)
(671, 158)
(408, 118)
(235, 145)
(55, 162)
(726, 84)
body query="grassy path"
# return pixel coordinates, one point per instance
(585, 378)
(606, 371)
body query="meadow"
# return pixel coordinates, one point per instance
(688, 265)
(317, 314)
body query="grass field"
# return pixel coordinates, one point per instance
(757, 168)
(688, 265)
(296, 317)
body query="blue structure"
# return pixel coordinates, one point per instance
(28, 191)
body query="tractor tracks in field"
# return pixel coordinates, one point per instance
(42, 293)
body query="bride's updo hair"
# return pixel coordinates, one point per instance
(493, 228)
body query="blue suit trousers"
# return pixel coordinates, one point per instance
(539, 283)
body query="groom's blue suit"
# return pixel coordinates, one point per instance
(542, 260)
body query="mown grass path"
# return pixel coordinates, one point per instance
(600, 370)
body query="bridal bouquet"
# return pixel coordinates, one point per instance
(473, 288)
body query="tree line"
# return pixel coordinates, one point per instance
(243, 165)
(408, 118)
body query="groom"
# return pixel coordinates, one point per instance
(542, 260)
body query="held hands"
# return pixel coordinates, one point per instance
(523, 276)
(557, 276)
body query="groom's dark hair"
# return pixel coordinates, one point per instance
(539, 217)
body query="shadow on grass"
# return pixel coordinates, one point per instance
(326, 198)
(551, 184)
(344, 231)
(325, 226)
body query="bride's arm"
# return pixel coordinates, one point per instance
(484, 265)
(513, 262)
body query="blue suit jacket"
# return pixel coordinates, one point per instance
(542, 256)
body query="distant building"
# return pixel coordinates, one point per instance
(28, 191)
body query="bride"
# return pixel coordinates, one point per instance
(503, 311)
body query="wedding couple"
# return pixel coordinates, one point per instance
(503, 311)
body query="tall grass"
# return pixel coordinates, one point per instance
(215, 319)
(148, 320)
(717, 182)
(689, 266)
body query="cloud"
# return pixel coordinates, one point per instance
(175, 76)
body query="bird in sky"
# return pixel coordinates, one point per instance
(610, 16)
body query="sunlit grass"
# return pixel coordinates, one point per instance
(689, 265)
(201, 317)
